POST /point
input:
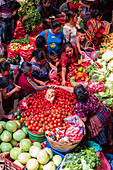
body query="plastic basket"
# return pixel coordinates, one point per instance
(38, 138)
(9, 165)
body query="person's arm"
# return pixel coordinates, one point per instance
(85, 5)
(7, 95)
(63, 76)
(55, 10)
(79, 47)
(7, 116)
(34, 86)
(107, 29)
(57, 64)
(68, 89)
(40, 82)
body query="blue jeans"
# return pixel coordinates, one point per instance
(6, 31)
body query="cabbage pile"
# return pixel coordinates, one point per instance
(31, 155)
(10, 135)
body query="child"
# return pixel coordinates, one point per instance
(80, 41)
(10, 92)
(39, 65)
(3, 86)
(54, 61)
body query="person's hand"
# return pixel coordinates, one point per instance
(10, 116)
(14, 13)
(54, 67)
(52, 86)
(17, 88)
(42, 83)
(63, 82)
(48, 20)
(82, 53)
(63, 14)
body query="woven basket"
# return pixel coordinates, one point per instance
(66, 146)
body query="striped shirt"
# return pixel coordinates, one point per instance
(5, 10)
(28, 86)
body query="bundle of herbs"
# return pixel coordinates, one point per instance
(30, 17)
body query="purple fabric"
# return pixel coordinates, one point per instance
(90, 105)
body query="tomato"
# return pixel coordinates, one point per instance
(55, 125)
(54, 130)
(37, 128)
(66, 122)
(59, 124)
(48, 128)
(49, 134)
(51, 126)
(60, 128)
(59, 133)
(58, 116)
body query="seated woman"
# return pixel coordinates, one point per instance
(54, 37)
(69, 55)
(10, 92)
(69, 28)
(47, 10)
(26, 81)
(96, 116)
(95, 28)
(40, 66)
(3, 86)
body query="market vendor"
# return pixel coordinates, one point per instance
(3, 86)
(69, 55)
(11, 92)
(96, 116)
(47, 10)
(26, 81)
(54, 37)
(95, 28)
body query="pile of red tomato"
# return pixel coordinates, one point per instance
(43, 115)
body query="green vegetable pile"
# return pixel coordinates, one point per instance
(95, 73)
(30, 16)
(21, 41)
(74, 1)
(14, 61)
(83, 157)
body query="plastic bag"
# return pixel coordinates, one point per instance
(96, 86)
(38, 30)
(85, 58)
(14, 67)
(20, 31)
(104, 163)
(53, 74)
(110, 159)
(12, 53)
(26, 53)
(50, 95)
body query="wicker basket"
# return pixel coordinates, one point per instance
(66, 146)
(9, 165)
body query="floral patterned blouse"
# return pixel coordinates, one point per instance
(65, 61)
